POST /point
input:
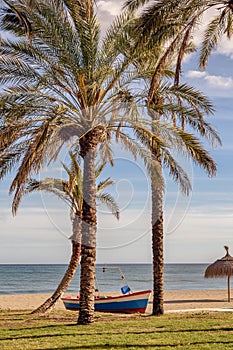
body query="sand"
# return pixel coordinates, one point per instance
(174, 301)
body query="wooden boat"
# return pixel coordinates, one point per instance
(133, 302)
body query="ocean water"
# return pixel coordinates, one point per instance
(27, 279)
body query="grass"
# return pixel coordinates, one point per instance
(59, 331)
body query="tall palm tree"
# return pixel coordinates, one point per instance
(64, 86)
(170, 44)
(156, 111)
(70, 191)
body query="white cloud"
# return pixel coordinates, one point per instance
(52, 169)
(225, 47)
(195, 74)
(216, 81)
(112, 7)
(107, 10)
(38, 222)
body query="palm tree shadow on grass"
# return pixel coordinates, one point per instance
(143, 346)
(157, 330)
(15, 314)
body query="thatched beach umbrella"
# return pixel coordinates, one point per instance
(221, 268)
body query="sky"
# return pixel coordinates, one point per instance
(196, 227)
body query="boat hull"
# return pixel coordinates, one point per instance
(131, 303)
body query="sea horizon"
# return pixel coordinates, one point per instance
(44, 278)
(108, 264)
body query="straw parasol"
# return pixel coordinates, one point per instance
(221, 268)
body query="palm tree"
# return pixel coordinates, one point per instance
(198, 105)
(66, 87)
(157, 191)
(70, 191)
(62, 86)
(168, 48)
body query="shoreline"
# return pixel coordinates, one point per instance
(174, 300)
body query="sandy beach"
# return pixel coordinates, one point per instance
(174, 301)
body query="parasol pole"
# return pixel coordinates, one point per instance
(229, 288)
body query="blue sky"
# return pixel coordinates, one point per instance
(196, 227)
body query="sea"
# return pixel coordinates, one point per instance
(29, 279)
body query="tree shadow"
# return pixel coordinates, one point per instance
(226, 329)
(36, 336)
(143, 346)
(3, 316)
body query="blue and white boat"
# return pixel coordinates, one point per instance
(133, 302)
(128, 302)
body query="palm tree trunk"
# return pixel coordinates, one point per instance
(50, 303)
(157, 221)
(157, 245)
(87, 276)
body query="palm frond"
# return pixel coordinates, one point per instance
(99, 168)
(151, 21)
(192, 96)
(212, 35)
(139, 151)
(16, 20)
(105, 183)
(9, 161)
(108, 200)
(197, 152)
(106, 152)
(133, 5)
(50, 185)
(176, 172)
(229, 25)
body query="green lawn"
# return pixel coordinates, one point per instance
(58, 330)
